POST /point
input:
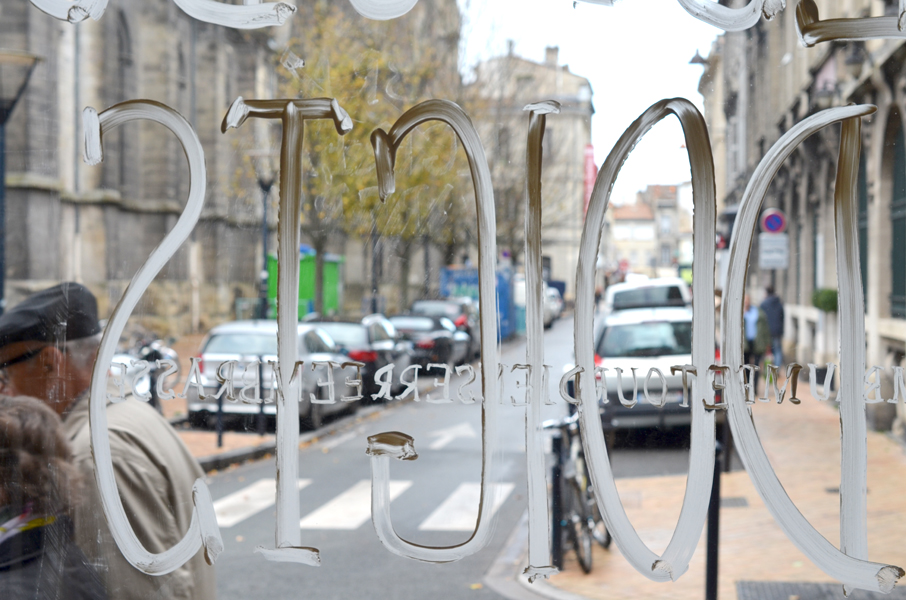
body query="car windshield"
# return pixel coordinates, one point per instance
(656, 338)
(242, 343)
(349, 335)
(317, 340)
(436, 309)
(413, 323)
(648, 296)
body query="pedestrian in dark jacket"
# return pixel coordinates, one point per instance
(757, 335)
(38, 483)
(773, 310)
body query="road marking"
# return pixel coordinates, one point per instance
(248, 501)
(332, 443)
(351, 509)
(459, 511)
(445, 436)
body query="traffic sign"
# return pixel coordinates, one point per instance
(773, 221)
(773, 251)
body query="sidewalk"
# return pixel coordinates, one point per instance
(803, 443)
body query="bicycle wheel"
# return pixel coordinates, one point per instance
(598, 528)
(578, 523)
(599, 531)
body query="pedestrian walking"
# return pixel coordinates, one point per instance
(773, 310)
(757, 334)
(48, 345)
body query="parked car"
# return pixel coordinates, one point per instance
(650, 338)
(462, 311)
(372, 340)
(250, 341)
(647, 293)
(434, 339)
(553, 305)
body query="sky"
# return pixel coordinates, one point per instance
(633, 53)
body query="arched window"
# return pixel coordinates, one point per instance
(123, 75)
(120, 74)
(898, 233)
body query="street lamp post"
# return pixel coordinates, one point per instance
(15, 70)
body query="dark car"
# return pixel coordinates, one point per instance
(372, 340)
(463, 312)
(434, 339)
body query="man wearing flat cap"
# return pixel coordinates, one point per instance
(47, 348)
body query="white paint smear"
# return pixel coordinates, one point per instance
(723, 17)
(74, 12)
(249, 501)
(203, 531)
(249, 16)
(732, 19)
(385, 146)
(382, 10)
(351, 509)
(460, 510)
(675, 559)
(851, 571)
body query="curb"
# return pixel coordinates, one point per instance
(216, 462)
(506, 573)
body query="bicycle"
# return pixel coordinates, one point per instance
(573, 505)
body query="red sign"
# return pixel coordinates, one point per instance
(591, 173)
(773, 221)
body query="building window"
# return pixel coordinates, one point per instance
(898, 222)
(665, 224)
(863, 228)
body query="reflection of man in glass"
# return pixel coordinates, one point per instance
(47, 349)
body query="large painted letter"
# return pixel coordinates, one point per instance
(241, 16)
(812, 30)
(849, 565)
(383, 446)
(539, 516)
(675, 560)
(203, 530)
(293, 114)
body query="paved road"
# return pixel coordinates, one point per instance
(435, 500)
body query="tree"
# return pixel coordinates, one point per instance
(376, 70)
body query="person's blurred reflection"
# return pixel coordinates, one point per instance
(38, 558)
(47, 348)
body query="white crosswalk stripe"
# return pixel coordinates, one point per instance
(460, 510)
(248, 501)
(351, 509)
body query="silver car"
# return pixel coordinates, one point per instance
(247, 343)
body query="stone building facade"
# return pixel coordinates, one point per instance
(503, 86)
(70, 221)
(757, 84)
(634, 233)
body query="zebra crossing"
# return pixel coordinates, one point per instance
(351, 509)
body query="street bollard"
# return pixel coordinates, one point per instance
(220, 420)
(262, 421)
(556, 502)
(713, 529)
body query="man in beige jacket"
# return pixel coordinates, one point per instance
(47, 349)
